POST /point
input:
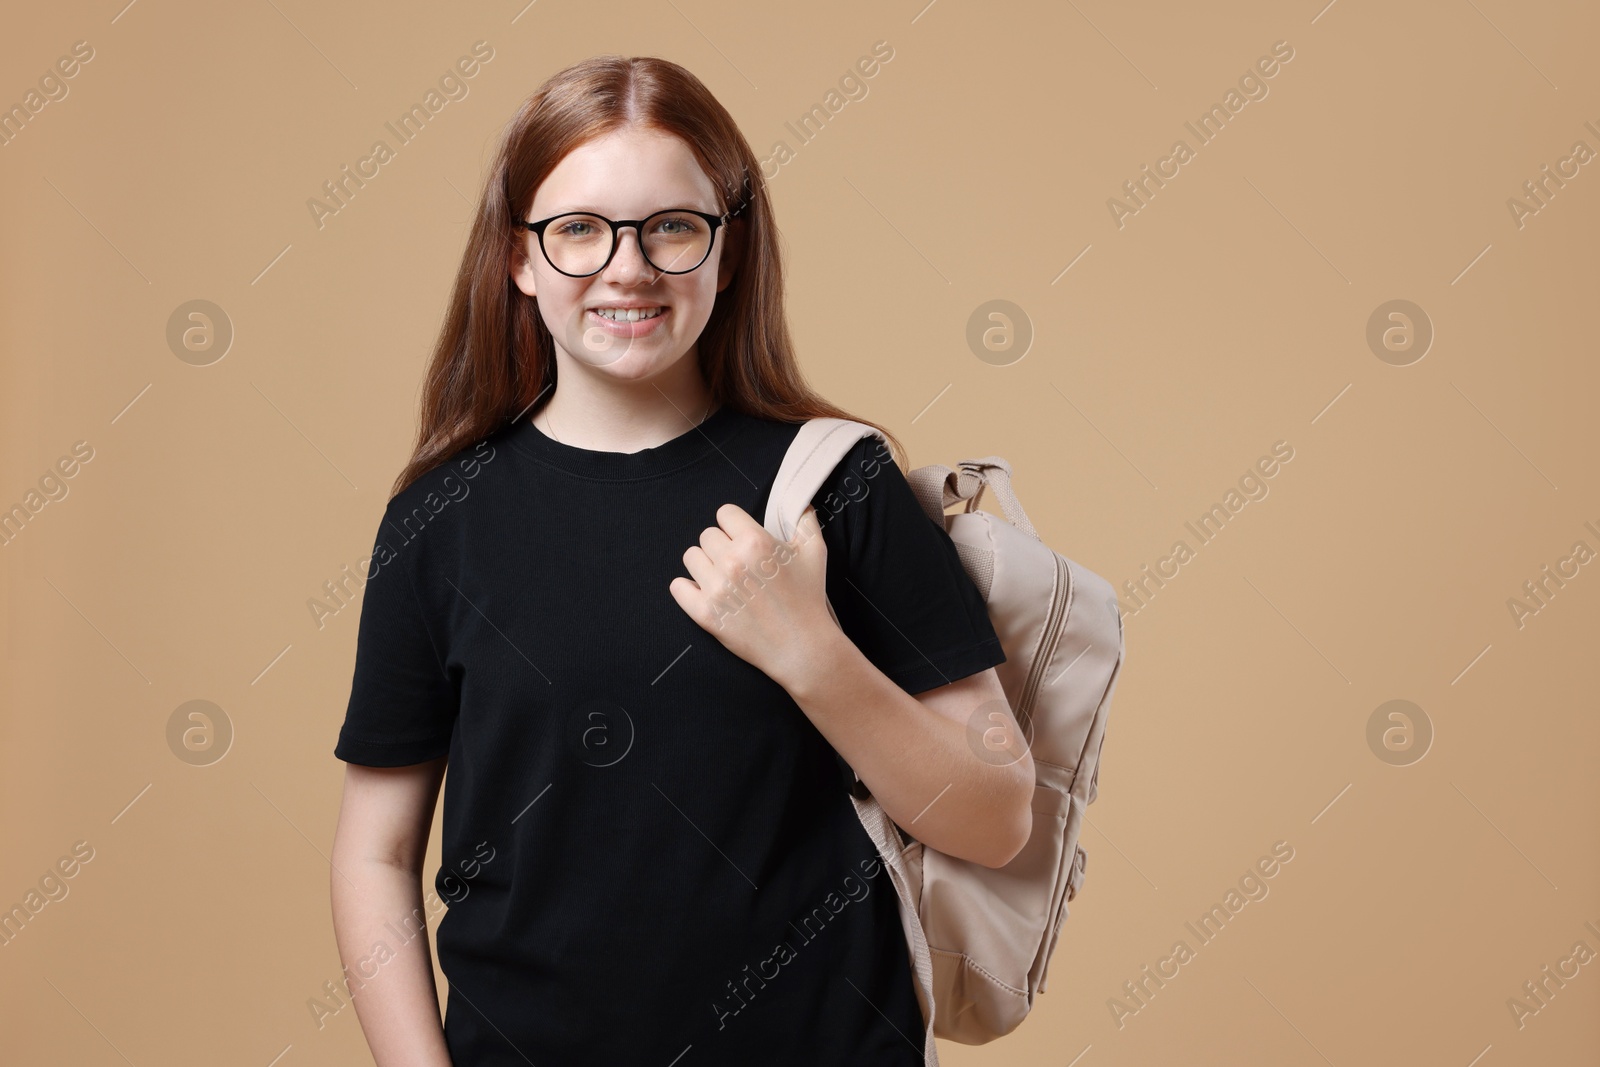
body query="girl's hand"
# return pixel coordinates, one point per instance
(764, 599)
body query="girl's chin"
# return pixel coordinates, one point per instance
(622, 357)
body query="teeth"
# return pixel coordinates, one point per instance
(628, 314)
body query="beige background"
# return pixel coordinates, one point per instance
(1228, 314)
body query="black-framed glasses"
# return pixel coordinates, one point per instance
(581, 243)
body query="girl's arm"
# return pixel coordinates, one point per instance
(766, 601)
(914, 752)
(378, 848)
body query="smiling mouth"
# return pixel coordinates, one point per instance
(628, 314)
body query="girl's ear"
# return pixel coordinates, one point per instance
(733, 245)
(522, 271)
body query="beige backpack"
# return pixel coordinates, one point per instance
(981, 938)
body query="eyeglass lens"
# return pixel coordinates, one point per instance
(673, 241)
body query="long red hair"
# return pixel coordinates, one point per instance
(495, 356)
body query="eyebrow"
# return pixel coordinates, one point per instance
(590, 209)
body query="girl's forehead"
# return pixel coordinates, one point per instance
(627, 170)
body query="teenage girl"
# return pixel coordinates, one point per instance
(649, 855)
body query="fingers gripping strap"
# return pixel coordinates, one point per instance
(817, 449)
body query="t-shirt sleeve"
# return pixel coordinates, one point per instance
(895, 580)
(403, 704)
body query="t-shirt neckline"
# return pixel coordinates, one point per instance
(691, 445)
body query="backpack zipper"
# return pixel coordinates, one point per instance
(1047, 647)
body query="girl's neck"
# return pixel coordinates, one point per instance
(613, 417)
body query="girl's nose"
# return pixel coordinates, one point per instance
(629, 261)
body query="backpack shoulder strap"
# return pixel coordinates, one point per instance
(817, 449)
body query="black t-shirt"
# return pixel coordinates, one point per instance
(648, 849)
